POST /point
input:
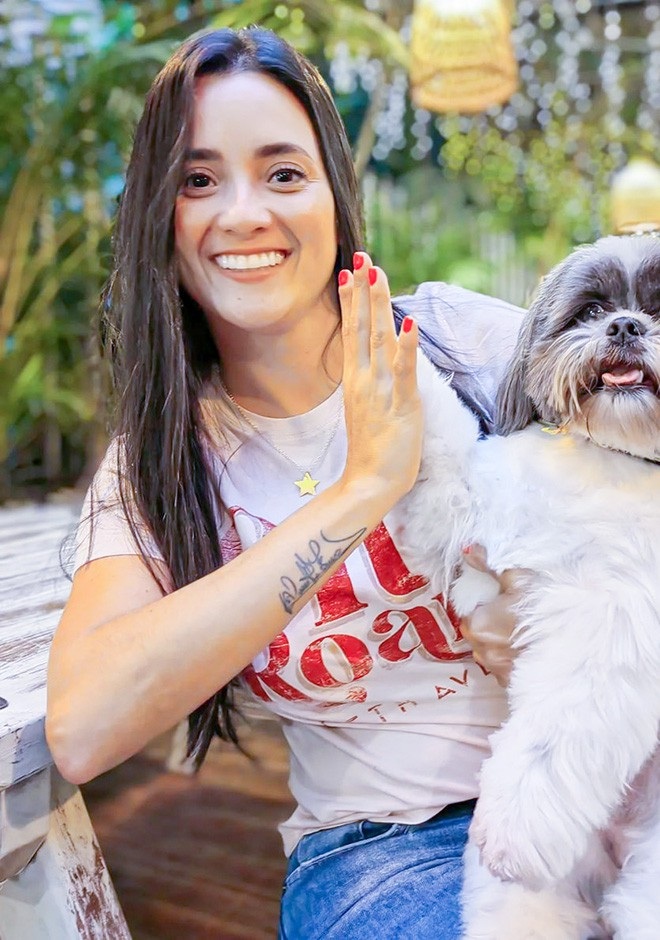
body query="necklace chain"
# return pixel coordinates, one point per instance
(306, 485)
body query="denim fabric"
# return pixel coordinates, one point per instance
(378, 881)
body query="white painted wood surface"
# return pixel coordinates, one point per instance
(33, 590)
(53, 881)
(65, 893)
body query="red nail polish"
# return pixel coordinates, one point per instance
(406, 326)
(467, 550)
(342, 277)
(372, 275)
(358, 261)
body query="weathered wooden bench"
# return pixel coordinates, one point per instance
(54, 884)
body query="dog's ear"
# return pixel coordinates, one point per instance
(514, 409)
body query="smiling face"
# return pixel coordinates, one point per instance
(255, 231)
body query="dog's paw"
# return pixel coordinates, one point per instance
(471, 588)
(513, 913)
(524, 833)
(522, 929)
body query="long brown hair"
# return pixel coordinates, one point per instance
(156, 336)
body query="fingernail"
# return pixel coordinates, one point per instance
(406, 326)
(342, 277)
(467, 550)
(372, 275)
(358, 261)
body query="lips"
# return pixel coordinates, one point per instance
(252, 261)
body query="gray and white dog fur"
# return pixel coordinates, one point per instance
(565, 841)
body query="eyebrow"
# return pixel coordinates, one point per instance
(268, 150)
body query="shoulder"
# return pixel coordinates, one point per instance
(450, 312)
(473, 330)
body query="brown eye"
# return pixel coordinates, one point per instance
(287, 174)
(197, 181)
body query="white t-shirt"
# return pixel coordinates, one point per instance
(386, 714)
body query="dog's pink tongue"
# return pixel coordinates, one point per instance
(623, 376)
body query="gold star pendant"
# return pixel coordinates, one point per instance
(307, 486)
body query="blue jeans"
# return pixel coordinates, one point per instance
(378, 881)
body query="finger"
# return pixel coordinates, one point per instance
(494, 659)
(515, 580)
(383, 335)
(361, 308)
(490, 623)
(500, 667)
(475, 556)
(404, 367)
(345, 289)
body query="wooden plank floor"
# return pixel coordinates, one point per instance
(197, 857)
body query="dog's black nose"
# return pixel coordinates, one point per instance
(625, 329)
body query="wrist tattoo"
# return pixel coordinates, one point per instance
(313, 565)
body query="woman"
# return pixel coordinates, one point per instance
(268, 419)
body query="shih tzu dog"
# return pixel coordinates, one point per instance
(565, 842)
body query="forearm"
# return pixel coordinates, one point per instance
(133, 676)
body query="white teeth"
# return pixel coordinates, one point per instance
(267, 259)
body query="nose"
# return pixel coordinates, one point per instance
(625, 330)
(242, 209)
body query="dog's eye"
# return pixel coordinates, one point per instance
(591, 311)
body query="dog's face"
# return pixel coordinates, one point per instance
(589, 355)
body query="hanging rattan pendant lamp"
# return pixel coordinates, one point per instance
(461, 54)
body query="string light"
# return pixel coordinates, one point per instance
(577, 117)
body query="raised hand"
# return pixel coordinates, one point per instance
(384, 419)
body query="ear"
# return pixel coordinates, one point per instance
(514, 409)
